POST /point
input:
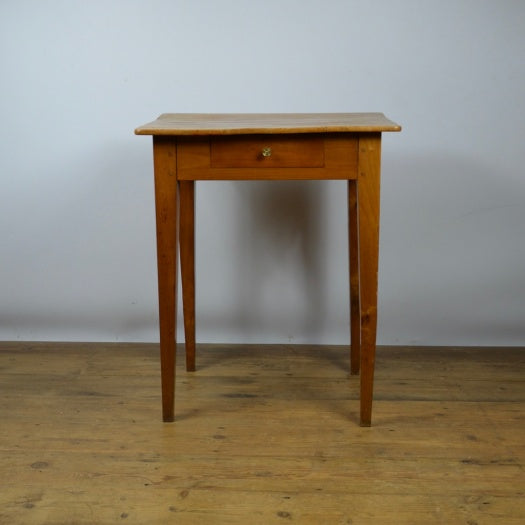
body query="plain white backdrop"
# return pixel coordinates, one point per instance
(77, 252)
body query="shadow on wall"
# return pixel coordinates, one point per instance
(282, 261)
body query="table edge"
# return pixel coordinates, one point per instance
(159, 126)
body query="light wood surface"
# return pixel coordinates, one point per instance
(167, 213)
(263, 151)
(190, 147)
(245, 123)
(293, 157)
(262, 437)
(187, 262)
(368, 183)
(353, 267)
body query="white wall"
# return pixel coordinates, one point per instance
(77, 253)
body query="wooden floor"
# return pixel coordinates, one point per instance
(263, 434)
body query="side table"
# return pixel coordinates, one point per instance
(314, 146)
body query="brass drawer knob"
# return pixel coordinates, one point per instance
(267, 151)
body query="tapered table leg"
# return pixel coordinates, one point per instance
(187, 266)
(353, 248)
(166, 197)
(368, 203)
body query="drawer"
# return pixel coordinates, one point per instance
(267, 151)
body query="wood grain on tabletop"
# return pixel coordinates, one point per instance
(250, 123)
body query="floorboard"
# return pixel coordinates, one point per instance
(263, 434)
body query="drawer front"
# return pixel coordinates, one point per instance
(267, 151)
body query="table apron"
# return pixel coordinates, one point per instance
(267, 174)
(290, 157)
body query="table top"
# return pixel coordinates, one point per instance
(266, 123)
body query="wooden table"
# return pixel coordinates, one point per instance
(190, 147)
